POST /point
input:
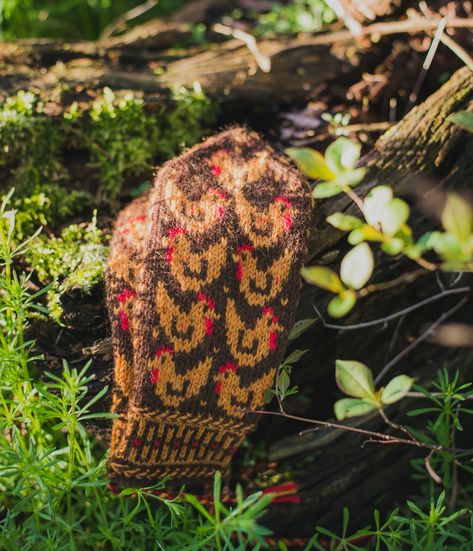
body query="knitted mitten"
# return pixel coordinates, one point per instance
(125, 259)
(215, 295)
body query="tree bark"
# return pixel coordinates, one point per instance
(333, 468)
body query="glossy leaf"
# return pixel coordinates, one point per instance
(457, 217)
(311, 163)
(326, 189)
(396, 389)
(344, 222)
(352, 407)
(340, 305)
(322, 277)
(354, 379)
(342, 155)
(357, 266)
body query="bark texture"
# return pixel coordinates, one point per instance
(333, 468)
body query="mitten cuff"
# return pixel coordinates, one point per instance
(149, 446)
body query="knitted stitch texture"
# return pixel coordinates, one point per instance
(203, 281)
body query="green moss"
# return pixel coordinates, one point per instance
(118, 135)
(295, 17)
(118, 139)
(29, 142)
(74, 259)
(186, 123)
(123, 138)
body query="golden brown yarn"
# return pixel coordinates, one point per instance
(202, 286)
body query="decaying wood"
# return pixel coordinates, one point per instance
(141, 60)
(333, 468)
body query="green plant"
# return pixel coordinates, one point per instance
(74, 259)
(53, 472)
(432, 529)
(120, 137)
(70, 18)
(294, 17)
(384, 221)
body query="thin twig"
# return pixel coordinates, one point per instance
(428, 467)
(460, 52)
(414, 25)
(367, 127)
(420, 339)
(391, 317)
(426, 65)
(124, 18)
(264, 62)
(377, 436)
(375, 287)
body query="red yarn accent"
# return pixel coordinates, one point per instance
(209, 326)
(218, 387)
(172, 232)
(269, 310)
(194, 444)
(126, 294)
(283, 199)
(154, 376)
(214, 445)
(124, 323)
(216, 170)
(228, 367)
(287, 222)
(220, 212)
(137, 442)
(246, 247)
(210, 303)
(218, 192)
(156, 443)
(163, 350)
(176, 444)
(169, 254)
(273, 340)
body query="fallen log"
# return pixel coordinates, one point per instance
(333, 468)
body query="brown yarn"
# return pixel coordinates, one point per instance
(203, 281)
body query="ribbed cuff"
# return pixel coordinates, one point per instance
(188, 449)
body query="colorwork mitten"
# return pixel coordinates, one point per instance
(216, 284)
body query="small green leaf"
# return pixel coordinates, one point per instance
(311, 163)
(294, 356)
(445, 245)
(364, 233)
(340, 305)
(374, 203)
(283, 382)
(326, 189)
(354, 379)
(357, 266)
(396, 389)
(394, 215)
(393, 247)
(351, 178)
(463, 119)
(352, 407)
(322, 277)
(342, 155)
(300, 327)
(457, 217)
(344, 222)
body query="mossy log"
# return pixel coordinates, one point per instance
(333, 468)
